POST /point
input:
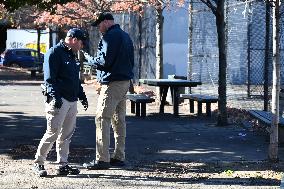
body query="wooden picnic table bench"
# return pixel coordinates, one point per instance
(174, 85)
(266, 118)
(199, 98)
(35, 69)
(138, 103)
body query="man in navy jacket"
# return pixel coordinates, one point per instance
(114, 62)
(63, 89)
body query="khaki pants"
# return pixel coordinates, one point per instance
(61, 124)
(111, 110)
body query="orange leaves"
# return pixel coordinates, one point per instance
(2, 7)
(180, 3)
(3, 12)
(133, 6)
(72, 14)
(82, 12)
(120, 6)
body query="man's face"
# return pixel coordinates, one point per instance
(102, 26)
(77, 44)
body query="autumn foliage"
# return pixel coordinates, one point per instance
(3, 12)
(74, 13)
(83, 12)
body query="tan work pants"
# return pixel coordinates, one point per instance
(111, 110)
(61, 124)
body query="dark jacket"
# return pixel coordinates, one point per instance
(61, 73)
(119, 58)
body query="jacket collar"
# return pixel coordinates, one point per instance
(62, 44)
(113, 27)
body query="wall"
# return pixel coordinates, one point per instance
(175, 42)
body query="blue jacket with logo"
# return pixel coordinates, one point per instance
(115, 56)
(61, 73)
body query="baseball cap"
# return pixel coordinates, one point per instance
(77, 33)
(103, 16)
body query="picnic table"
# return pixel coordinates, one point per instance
(174, 85)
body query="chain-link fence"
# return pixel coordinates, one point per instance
(249, 70)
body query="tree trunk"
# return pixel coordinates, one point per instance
(38, 44)
(222, 91)
(273, 146)
(140, 47)
(159, 46)
(159, 43)
(190, 32)
(50, 37)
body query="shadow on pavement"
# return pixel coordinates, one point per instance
(189, 180)
(18, 129)
(20, 135)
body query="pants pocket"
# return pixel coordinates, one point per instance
(50, 110)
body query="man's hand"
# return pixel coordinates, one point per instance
(98, 87)
(87, 56)
(58, 103)
(90, 59)
(85, 104)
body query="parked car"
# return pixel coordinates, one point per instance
(24, 58)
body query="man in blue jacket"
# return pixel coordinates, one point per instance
(114, 62)
(62, 89)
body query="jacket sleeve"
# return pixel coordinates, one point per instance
(99, 60)
(51, 67)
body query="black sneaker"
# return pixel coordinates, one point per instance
(39, 170)
(97, 165)
(67, 170)
(116, 163)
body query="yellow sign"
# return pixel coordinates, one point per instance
(34, 46)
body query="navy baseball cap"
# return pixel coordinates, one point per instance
(103, 16)
(77, 33)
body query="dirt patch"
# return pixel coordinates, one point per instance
(245, 173)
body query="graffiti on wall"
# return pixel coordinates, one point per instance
(16, 45)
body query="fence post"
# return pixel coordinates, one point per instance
(248, 57)
(266, 62)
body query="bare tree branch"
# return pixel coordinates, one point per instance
(210, 5)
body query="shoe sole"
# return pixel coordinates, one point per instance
(65, 174)
(96, 168)
(117, 165)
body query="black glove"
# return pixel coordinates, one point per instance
(43, 89)
(58, 103)
(85, 104)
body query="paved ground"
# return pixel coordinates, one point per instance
(162, 151)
